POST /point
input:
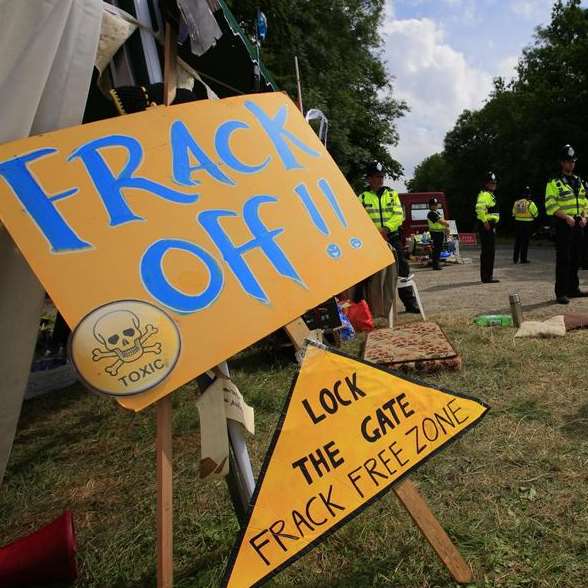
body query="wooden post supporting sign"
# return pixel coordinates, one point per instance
(163, 446)
(165, 565)
(425, 520)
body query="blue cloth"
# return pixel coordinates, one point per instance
(347, 330)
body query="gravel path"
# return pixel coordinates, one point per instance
(458, 287)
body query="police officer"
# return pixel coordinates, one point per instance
(524, 212)
(488, 216)
(437, 227)
(384, 208)
(565, 201)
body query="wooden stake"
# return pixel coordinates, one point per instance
(429, 526)
(165, 564)
(163, 445)
(393, 317)
(297, 332)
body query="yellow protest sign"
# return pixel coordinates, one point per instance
(348, 431)
(229, 215)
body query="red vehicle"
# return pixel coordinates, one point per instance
(416, 208)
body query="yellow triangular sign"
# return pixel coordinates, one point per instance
(348, 432)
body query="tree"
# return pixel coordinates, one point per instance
(482, 141)
(552, 84)
(337, 44)
(431, 175)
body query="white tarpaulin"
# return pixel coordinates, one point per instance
(48, 49)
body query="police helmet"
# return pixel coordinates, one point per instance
(527, 191)
(433, 201)
(490, 178)
(567, 153)
(374, 168)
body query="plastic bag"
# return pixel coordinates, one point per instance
(347, 331)
(359, 315)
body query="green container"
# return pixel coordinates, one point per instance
(494, 320)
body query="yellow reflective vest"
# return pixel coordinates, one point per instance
(384, 210)
(486, 211)
(435, 226)
(561, 195)
(525, 210)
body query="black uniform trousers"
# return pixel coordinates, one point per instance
(521, 245)
(437, 237)
(584, 264)
(569, 243)
(405, 294)
(488, 245)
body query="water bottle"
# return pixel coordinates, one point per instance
(516, 310)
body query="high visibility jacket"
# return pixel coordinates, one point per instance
(566, 193)
(486, 211)
(525, 210)
(385, 210)
(434, 225)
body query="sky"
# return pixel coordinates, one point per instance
(442, 56)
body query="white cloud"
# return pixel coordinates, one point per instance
(507, 67)
(435, 80)
(468, 13)
(531, 9)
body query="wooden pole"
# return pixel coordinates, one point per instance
(393, 317)
(170, 60)
(429, 526)
(165, 564)
(298, 84)
(297, 332)
(163, 444)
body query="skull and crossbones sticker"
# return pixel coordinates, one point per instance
(125, 347)
(122, 338)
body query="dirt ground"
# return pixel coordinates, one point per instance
(458, 287)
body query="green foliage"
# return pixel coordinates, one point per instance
(337, 44)
(431, 175)
(523, 124)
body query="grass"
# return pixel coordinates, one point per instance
(512, 493)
